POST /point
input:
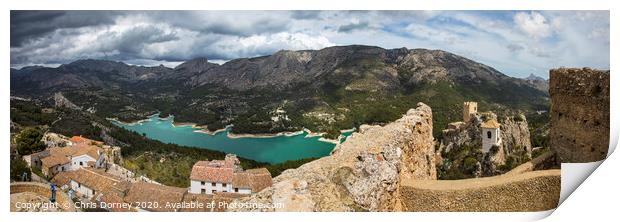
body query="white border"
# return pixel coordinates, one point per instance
(594, 200)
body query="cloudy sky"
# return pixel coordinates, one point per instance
(515, 42)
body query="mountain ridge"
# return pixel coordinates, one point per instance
(329, 89)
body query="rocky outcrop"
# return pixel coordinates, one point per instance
(538, 82)
(61, 101)
(361, 174)
(579, 125)
(516, 134)
(515, 137)
(464, 133)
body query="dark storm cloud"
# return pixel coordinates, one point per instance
(305, 14)
(353, 26)
(500, 38)
(131, 43)
(238, 23)
(26, 25)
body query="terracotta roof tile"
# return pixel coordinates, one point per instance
(149, 192)
(54, 160)
(260, 178)
(98, 181)
(212, 171)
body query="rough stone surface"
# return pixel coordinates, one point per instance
(516, 134)
(579, 125)
(529, 191)
(361, 174)
(64, 202)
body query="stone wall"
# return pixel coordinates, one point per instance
(361, 174)
(579, 125)
(529, 191)
(63, 200)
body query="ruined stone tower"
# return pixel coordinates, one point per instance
(468, 109)
(579, 124)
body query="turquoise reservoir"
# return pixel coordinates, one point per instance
(275, 149)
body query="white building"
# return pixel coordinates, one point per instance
(227, 176)
(491, 135)
(60, 159)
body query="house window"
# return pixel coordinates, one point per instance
(212, 184)
(62, 168)
(224, 185)
(213, 191)
(93, 192)
(489, 134)
(203, 191)
(79, 185)
(236, 190)
(202, 183)
(81, 164)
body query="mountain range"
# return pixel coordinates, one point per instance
(323, 90)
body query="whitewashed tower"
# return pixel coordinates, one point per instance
(490, 135)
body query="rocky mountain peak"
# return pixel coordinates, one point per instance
(194, 66)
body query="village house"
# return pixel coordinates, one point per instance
(79, 153)
(226, 176)
(91, 183)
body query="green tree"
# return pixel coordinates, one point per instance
(29, 141)
(18, 168)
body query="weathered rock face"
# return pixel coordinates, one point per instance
(61, 101)
(579, 125)
(461, 133)
(516, 134)
(361, 174)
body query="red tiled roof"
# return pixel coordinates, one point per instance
(260, 178)
(54, 160)
(254, 179)
(151, 193)
(212, 171)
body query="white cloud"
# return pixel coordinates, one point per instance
(533, 24)
(516, 43)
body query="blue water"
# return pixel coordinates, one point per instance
(273, 150)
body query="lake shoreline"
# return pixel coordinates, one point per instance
(205, 130)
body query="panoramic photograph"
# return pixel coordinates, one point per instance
(304, 111)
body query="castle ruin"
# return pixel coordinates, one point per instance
(579, 121)
(468, 109)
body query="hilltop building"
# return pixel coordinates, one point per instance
(77, 154)
(490, 135)
(468, 109)
(227, 176)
